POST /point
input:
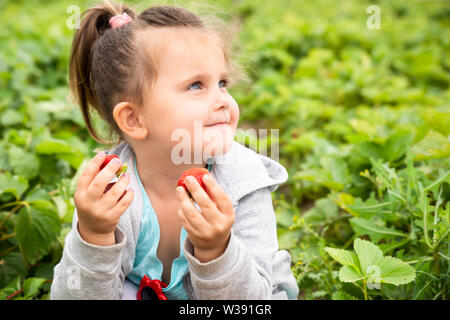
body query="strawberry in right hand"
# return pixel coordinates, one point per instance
(198, 174)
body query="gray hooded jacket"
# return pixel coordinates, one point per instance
(252, 266)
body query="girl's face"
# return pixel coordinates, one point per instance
(190, 97)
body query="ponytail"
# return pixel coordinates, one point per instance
(94, 25)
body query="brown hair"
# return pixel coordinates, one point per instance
(107, 66)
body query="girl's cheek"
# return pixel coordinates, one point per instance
(235, 116)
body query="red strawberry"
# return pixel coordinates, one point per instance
(197, 173)
(107, 160)
(118, 173)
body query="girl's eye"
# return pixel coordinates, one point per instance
(198, 83)
(225, 82)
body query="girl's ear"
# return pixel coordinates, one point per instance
(129, 120)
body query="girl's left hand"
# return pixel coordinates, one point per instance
(210, 229)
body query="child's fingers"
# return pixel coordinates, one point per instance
(114, 194)
(207, 206)
(187, 225)
(194, 217)
(101, 180)
(218, 195)
(122, 205)
(91, 171)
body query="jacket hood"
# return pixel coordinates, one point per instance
(240, 171)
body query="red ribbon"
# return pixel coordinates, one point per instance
(156, 285)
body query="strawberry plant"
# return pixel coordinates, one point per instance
(368, 266)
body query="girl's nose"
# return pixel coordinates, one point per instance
(221, 106)
(222, 100)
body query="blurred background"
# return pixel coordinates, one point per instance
(359, 91)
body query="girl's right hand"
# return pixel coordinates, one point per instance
(98, 212)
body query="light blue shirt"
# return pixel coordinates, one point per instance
(147, 262)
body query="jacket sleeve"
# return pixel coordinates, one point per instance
(251, 267)
(88, 271)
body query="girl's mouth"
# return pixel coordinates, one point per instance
(219, 124)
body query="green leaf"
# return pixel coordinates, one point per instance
(53, 146)
(11, 288)
(36, 228)
(325, 209)
(349, 274)
(62, 150)
(11, 117)
(11, 267)
(31, 286)
(368, 253)
(371, 150)
(433, 146)
(373, 266)
(74, 159)
(395, 271)
(37, 193)
(61, 206)
(386, 175)
(337, 169)
(445, 176)
(368, 227)
(4, 162)
(17, 137)
(287, 239)
(23, 163)
(368, 208)
(344, 257)
(13, 184)
(397, 144)
(362, 126)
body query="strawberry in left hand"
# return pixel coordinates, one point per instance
(210, 229)
(123, 169)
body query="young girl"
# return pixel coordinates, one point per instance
(149, 76)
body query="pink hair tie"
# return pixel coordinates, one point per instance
(119, 20)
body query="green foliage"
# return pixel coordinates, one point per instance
(43, 142)
(369, 266)
(364, 119)
(365, 123)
